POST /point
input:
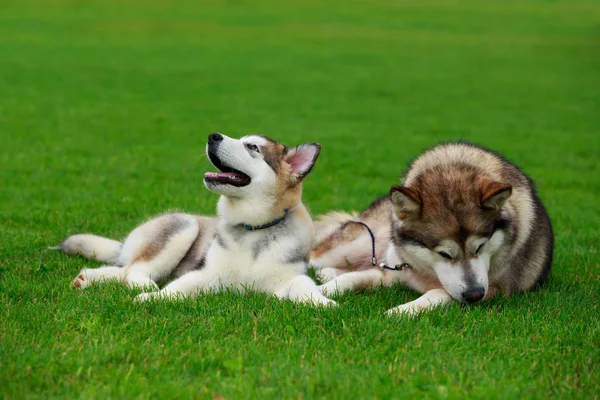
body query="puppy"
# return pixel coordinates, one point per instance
(260, 240)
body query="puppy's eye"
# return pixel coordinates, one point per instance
(479, 248)
(445, 255)
(252, 147)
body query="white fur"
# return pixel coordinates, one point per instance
(138, 273)
(89, 276)
(462, 273)
(367, 278)
(451, 277)
(255, 197)
(431, 299)
(352, 251)
(144, 273)
(451, 154)
(520, 201)
(235, 265)
(327, 274)
(330, 222)
(155, 249)
(375, 277)
(92, 247)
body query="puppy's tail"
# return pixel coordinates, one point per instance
(326, 224)
(91, 247)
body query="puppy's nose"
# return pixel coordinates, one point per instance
(215, 138)
(473, 295)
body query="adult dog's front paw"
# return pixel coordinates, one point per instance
(409, 309)
(432, 299)
(145, 297)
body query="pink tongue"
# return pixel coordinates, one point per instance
(231, 175)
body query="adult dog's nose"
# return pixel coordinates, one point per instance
(215, 138)
(473, 295)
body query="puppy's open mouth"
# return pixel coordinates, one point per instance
(227, 176)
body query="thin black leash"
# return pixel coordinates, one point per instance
(397, 267)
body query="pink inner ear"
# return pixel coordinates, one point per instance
(301, 160)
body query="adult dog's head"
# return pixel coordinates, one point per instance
(449, 222)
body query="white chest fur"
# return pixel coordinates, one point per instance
(259, 259)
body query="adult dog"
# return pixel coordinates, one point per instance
(465, 225)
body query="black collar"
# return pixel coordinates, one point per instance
(268, 224)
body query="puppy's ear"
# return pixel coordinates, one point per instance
(405, 201)
(301, 160)
(494, 195)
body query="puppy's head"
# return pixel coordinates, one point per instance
(450, 222)
(256, 166)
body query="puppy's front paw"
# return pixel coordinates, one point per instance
(145, 297)
(325, 302)
(142, 282)
(327, 274)
(161, 294)
(329, 288)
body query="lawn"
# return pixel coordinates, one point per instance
(105, 107)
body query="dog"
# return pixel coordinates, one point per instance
(465, 225)
(260, 240)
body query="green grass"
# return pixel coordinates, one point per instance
(105, 106)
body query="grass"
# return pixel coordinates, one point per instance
(104, 111)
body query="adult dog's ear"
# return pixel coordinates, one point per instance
(405, 201)
(301, 159)
(494, 195)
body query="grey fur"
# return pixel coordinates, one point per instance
(521, 263)
(237, 233)
(298, 255)
(517, 265)
(195, 258)
(259, 246)
(220, 241)
(170, 224)
(173, 244)
(268, 236)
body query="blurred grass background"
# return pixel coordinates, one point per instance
(104, 111)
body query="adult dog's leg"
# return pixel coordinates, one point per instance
(431, 299)
(367, 278)
(303, 289)
(189, 284)
(88, 276)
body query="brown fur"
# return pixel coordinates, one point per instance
(348, 232)
(289, 188)
(452, 192)
(151, 249)
(195, 257)
(467, 190)
(273, 155)
(377, 217)
(450, 214)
